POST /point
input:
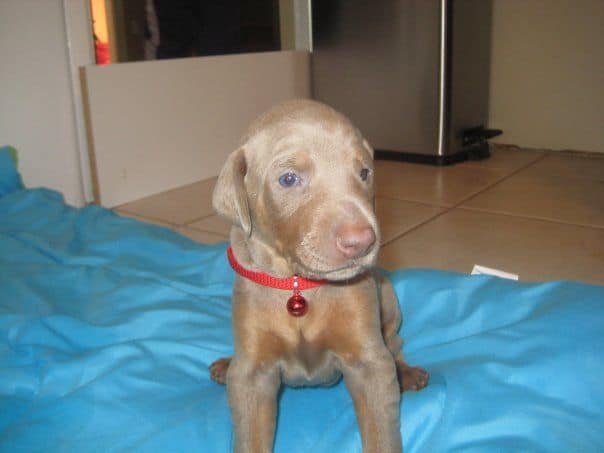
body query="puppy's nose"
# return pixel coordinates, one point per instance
(354, 240)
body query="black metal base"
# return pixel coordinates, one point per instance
(477, 152)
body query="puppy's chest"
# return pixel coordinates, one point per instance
(317, 343)
(310, 349)
(309, 363)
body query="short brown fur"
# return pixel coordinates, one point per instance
(351, 326)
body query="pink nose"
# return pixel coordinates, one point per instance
(354, 240)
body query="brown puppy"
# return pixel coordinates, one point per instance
(299, 192)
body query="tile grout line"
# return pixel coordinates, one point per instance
(207, 231)
(175, 189)
(529, 217)
(421, 203)
(126, 213)
(157, 219)
(448, 209)
(498, 181)
(198, 219)
(213, 233)
(415, 227)
(173, 226)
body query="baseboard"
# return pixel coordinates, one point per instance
(478, 152)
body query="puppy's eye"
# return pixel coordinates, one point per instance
(364, 174)
(289, 179)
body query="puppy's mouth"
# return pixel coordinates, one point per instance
(325, 258)
(342, 274)
(345, 272)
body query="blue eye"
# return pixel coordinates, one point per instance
(289, 179)
(364, 174)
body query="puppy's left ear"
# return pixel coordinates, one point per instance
(230, 195)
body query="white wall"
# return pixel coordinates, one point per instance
(547, 73)
(36, 104)
(159, 125)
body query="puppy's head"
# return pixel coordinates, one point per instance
(302, 184)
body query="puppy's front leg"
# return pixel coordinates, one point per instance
(373, 385)
(253, 399)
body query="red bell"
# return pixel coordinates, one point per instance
(296, 305)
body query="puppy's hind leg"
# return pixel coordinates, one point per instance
(409, 377)
(218, 370)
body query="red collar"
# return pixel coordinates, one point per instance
(270, 281)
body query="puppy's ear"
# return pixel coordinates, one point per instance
(230, 196)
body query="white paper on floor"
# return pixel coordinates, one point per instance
(483, 270)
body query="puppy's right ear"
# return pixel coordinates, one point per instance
(230, 195)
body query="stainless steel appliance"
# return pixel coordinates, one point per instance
(413, 75)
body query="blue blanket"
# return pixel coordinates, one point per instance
(108, 325)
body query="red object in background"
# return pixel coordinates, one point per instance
(102, 53)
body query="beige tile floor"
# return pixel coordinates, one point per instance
(534, 213)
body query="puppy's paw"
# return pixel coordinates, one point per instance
(411, 378)
(218, 370)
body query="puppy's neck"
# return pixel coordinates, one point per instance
(256, 255)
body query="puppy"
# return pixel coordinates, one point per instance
(307, 306)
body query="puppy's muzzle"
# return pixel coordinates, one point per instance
(354, 240)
